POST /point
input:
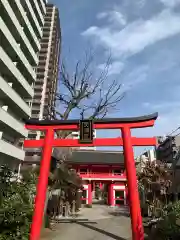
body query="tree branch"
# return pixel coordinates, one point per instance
(86, 91)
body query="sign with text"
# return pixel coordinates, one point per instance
(86, 131)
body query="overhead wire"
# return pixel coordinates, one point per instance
(173, 131)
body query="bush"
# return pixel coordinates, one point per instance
(16, 205)
(144, 210)
(167, 228)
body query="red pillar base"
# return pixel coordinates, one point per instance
(89, 193)
(110, 195)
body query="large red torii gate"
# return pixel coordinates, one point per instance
(123, 124)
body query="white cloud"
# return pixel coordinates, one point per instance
(102, 15)
(113, 17)
(115, 68)
(136, 77)
(137, 35)
(116, 17)
(170, 3)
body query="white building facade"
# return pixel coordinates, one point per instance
(21, 23)
(147, 156)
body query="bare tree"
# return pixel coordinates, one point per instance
(87, 92)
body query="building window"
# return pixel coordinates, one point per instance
(83, 170)
(117, 171)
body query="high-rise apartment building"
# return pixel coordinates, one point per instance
(21, 30)
(47, 70)
(45, 85)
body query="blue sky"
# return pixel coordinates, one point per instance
(144, 40)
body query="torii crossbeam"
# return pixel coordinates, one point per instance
(123, 124)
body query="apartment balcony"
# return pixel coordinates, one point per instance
(48, 17)
(11, 125)
(46, 37)
(38, 86)
(40, 82)
(11, 98)
(35, 111)
(44, 45)
(38, 96)
(47, 24)
(103, 176)
(42, 65)
(42, 58)
(39, 14)
(14, 51)
(46, 28)
(43, 5)
(28, 29)
(40, 70)
(36, 102)
(40, 77)
(32, 16)
(43, 52)
(17, 31)
(9, 150)
(9, 69)
(35, 116)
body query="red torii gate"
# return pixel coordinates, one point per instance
(125, 124)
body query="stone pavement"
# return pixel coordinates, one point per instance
(103, 223)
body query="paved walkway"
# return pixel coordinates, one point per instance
(103, 223)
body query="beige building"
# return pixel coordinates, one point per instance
(47, 70)
(45, 86)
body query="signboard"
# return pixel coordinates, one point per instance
(86, 131)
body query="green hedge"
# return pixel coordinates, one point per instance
(167, 228)
(16, 205)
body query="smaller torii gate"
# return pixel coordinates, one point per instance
(127, 141)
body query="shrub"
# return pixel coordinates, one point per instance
(16, 205)
(167, 228)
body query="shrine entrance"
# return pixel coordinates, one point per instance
(86, 139)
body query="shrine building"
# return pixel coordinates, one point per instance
(103, 168)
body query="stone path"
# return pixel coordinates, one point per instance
(103, 224)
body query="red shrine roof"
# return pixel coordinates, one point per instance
(96, 157)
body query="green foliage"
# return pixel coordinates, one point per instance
(173, 208)
(16, 204)
(167, 228)
(154, 181)
(17, 199)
